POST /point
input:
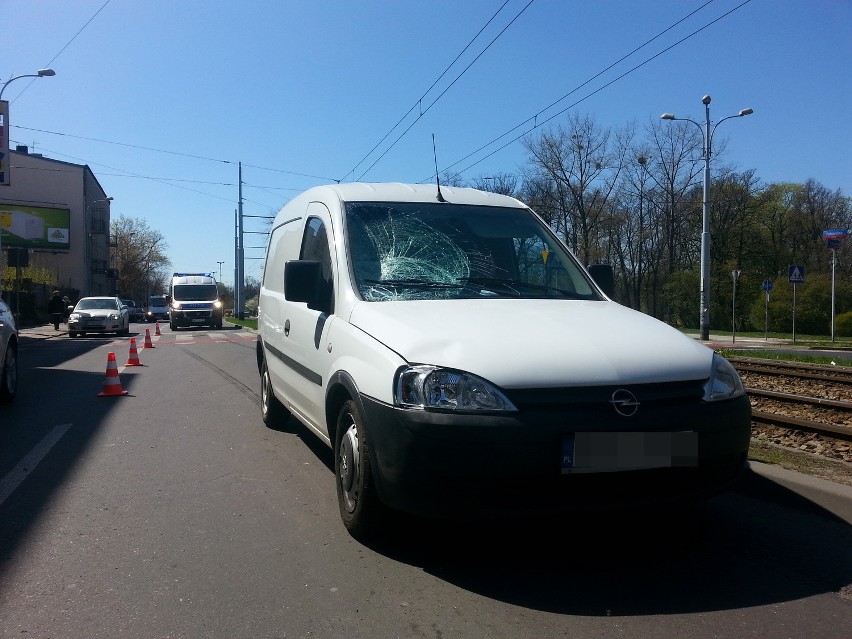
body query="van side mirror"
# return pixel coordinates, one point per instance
(303, 282)
(603, 276)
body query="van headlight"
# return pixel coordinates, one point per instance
(217, 304)
(113, 316)
(724, 381)
(430, 387)
(176, 306)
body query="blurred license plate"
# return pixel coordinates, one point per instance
(199, 320)
(609, 452)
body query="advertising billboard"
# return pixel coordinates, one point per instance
(35, 227)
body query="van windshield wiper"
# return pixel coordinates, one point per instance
(414, 283)
(515, 286)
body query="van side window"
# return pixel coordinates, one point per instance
(315, 247)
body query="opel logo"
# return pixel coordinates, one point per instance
(624, 402)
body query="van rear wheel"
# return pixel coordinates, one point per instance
(271, 410)
(360, 508)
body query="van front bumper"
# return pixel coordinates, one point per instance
(444, 464)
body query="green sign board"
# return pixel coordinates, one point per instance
(35, 227)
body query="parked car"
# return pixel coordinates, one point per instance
(99, 315)
(459, 360)
(137, 314)
(8, 354)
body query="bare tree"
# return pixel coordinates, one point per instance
(140, 257)
(582, 162)
(503, 183)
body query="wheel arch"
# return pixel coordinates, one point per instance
(259, 354)
(341, 387)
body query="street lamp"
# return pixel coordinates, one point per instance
(220, 268)
(707, 133)
(642, 160)
(41, 73)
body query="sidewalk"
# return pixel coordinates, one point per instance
(43, 331)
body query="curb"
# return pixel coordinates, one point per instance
(827, 495)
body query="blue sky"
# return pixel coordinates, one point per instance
(163, 99)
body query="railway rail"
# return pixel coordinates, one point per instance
(801, 406)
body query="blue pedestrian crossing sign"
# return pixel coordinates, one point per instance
(797, 274)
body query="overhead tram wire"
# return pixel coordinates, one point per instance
(538, 124)
(432, 86)
(67, 44)
(457, 78)
(534, 118)
(178, 153)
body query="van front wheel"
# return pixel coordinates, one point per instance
(360, 508)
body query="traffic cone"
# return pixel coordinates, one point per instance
(157, 328)
(148, 343)
(112, 384)
(133, 360)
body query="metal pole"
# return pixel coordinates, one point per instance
(236, 258)
(704, 320)
(239, 285)
(794, 313)
(833, 260)
(766, 318)
(734, 276)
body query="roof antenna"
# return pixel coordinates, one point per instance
(437, 177)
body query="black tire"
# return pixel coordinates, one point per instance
(361, 510)
(72, 334)
(172, 326)
(9, 375)
(272, 411)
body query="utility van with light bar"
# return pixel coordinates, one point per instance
(460, 362)
(194, 301)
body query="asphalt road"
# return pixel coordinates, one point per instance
(172, 511)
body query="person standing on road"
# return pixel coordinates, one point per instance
(66, 308)
(56, 308)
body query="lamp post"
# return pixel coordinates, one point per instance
(707, 133)
(41, 73)
(220, 268)
(642, 160)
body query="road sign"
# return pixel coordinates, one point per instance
(767, 285)
(797, 274)
(836, 234)
(833, 243)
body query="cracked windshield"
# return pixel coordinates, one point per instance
(417, 251)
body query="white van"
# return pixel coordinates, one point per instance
(459, 361)
(158, 308)
(194, 301)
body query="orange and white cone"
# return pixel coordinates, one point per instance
(148, 343)
(133, 360)
(157, 328)
(112, 384)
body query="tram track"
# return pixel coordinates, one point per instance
(805, 407)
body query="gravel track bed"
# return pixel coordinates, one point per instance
(813, 443)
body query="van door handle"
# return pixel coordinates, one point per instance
(287, 328)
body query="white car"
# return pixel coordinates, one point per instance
(8, 354)
(99, 315)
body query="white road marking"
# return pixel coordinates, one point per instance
(32, 459)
